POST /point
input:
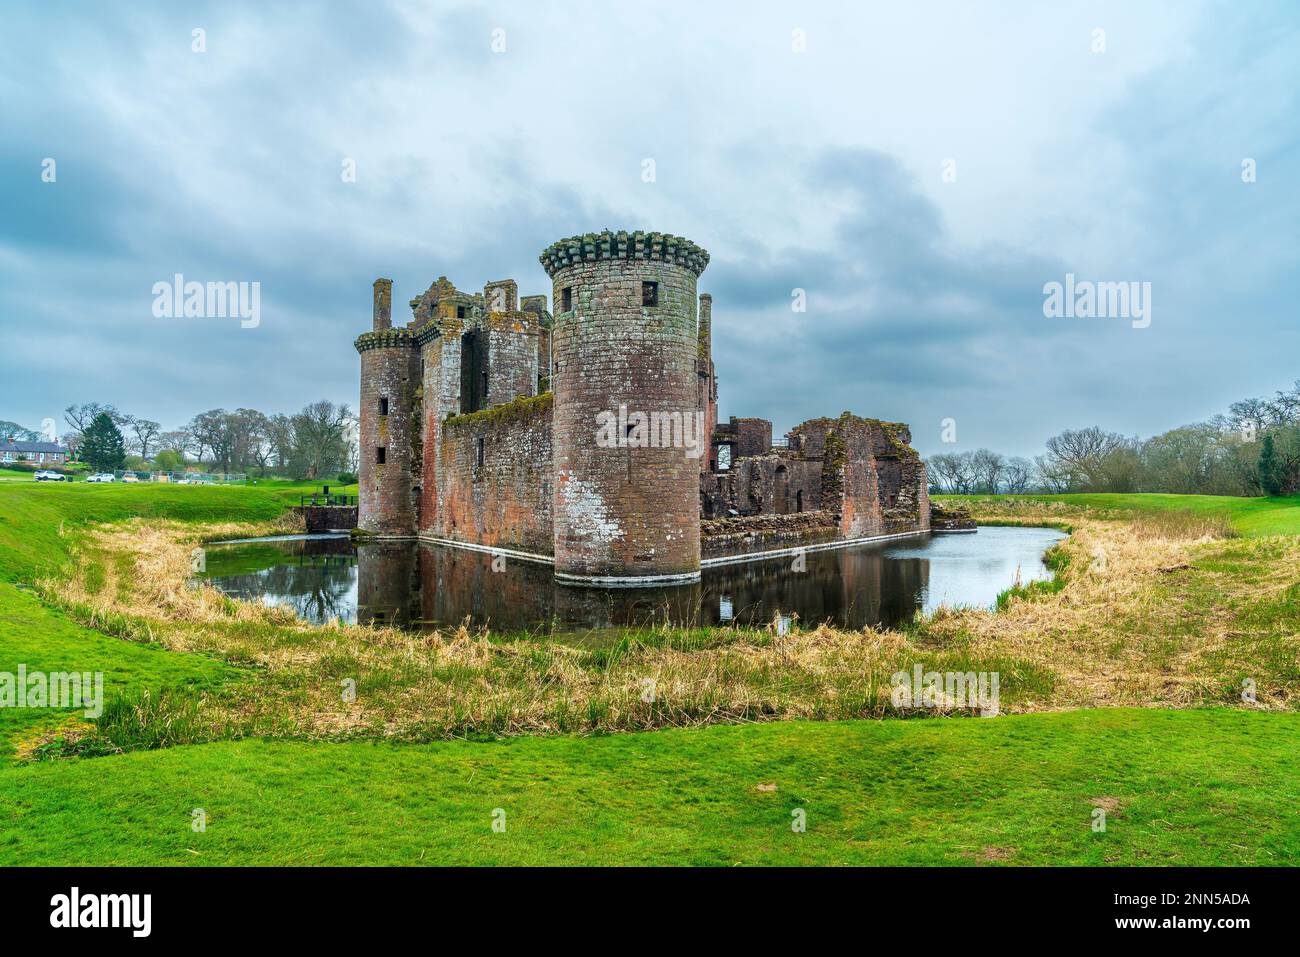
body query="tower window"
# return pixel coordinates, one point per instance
(649, 293)
(479, 453)
(383, 405)
(566, 299)
(460, 312)
(381, 455)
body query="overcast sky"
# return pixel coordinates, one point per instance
(820, 169)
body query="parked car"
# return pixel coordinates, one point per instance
(130, 477)
(102, 477)
(45, 475)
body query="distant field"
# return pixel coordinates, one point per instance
(1253, 517)
(35, 516)
(32, 514)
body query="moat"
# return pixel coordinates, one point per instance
(432, 586)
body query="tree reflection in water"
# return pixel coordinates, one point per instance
(317, 578)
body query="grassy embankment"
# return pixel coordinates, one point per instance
(1208, 787)
(40, 525)
(1145, 617)
(1249, 517)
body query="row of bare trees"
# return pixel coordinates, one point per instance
(143, 436)
(982, 471)
(1252, 450)
(317, 442)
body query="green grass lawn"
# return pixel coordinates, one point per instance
(32, 515)
(1253, 517)
(43, 639)
(1201, 786)
(1187, 787)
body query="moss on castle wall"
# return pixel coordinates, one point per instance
(522, 409)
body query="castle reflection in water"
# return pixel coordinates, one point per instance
(422, 585)
(404, 584)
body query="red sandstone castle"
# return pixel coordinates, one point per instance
(590, 437)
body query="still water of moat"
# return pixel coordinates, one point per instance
(433, 586)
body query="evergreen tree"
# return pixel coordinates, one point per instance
(102, 446)
(1270, 470)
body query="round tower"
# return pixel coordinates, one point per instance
(627, 436)
(389, 424)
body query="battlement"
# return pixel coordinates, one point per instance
(385, 339)
(638, 245)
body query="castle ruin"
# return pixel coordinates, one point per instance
(589, 438)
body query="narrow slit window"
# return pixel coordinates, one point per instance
(381, 455)
(383, 405)
(478, 456)
(649, 293)
(566, 298)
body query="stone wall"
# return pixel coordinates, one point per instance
(707, 381)
(871, 476)
(536, 306)
(753, 436)
(861, 471)
(771, 484)
(760, 533)
(328, 518)
(511, 356)
(501, 296)
(494, 477)
(951, 518)
(440, 358)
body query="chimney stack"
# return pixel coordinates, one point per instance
(706, 326)
(383, 312)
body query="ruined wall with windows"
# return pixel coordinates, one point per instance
(774, 483)
(746, 436)
(861, 474)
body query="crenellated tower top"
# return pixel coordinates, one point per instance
(638, 245)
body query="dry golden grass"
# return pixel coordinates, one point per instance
(1151, 613)
(1147, 609)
